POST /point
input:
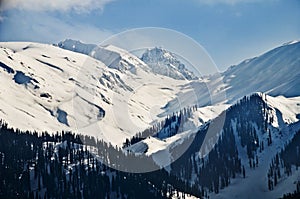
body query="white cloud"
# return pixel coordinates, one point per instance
(50, 5)
(42, 27)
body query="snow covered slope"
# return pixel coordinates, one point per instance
(276, 72)
(279, 116)
(282, 127)
(284, 112)
(47, 88)
(198, 118)
(112, 94)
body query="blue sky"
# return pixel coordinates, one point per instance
(229, 30)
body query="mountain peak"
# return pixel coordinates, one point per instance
(166, 63)
(158, 59)
(76, 46)
(111, 56)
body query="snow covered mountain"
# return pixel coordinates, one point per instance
(159, 60)
(51, 89)
(45, 83)
(283, 111)
(111, 56)
(111, 94)
(275, 72)
(255, 130)
(77, 46)
(165, 63)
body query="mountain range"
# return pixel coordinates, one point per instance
(225, 135)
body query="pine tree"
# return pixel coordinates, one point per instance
(275, 178)
(256, 161)
(270, 137)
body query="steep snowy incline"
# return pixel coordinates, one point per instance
(276, 72)
(287, 109)
(283, 126)
(283, 111)
(261, 115)
(49, 88)
(281, 122)
(34, 104)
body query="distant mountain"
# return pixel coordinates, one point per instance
(111, 56)
(159, 60)
(166, 63)
(76, 46)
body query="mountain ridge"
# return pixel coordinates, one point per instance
(47, 86)
(39, 62)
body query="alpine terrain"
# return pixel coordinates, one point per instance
(84, 121)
